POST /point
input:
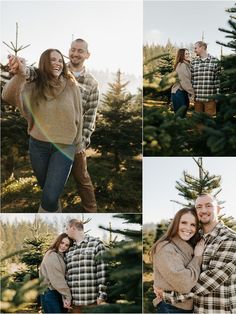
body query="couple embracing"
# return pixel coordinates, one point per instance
(194, 263)
(73, 272)
(197, 79)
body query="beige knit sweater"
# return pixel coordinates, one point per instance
(184, 79)
(56, 120)
(176, 269)
(52, 270)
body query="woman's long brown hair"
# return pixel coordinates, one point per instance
(179, 57)
(174, 227)
(45, 82)
(55, 245)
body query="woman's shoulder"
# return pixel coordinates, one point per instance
(183, 66)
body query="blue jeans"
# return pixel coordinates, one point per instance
(180, 99)
(51, 164)
(51, 301)
(163, 307)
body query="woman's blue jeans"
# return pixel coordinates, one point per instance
(51, 164)
(51, 301)
(164, 307)
(180, 99)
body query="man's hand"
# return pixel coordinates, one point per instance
(16, 65)
(99, 301)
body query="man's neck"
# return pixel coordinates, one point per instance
(204, 55)
(209, 227)
(76, 68)
(79, 238)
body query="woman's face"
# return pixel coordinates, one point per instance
(64, 245)
(187, 226)
(187, 56)
(56, 64)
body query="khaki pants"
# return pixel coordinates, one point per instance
(84, 183)
(208, 107)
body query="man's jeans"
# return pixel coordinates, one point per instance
(180, 99)
(84, 183)
(51, 164)
(163, 307)
(51, 301)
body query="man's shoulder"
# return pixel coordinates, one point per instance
(93, 240)
(228, 231)
(90, 77)
(213, 58)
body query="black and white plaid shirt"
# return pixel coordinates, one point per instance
(205, 77)
(90, 100)
(86, 271)
(215, 292)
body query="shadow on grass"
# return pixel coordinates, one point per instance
(116, 191)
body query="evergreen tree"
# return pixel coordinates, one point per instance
(120, 117)
(222, 134)
(34, 250)
(190, 187)
(16, 297)
(14, 126)
(124, 270)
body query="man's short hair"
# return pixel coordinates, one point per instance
(207, 194)
(201, 43)
(80, 40)
(78, 224)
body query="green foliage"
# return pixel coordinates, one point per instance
(17, 296)
(119, 126)
(125, 271)
(190, 187)
(166, 135)
(14, 133)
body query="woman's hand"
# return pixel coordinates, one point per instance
(159, 294)
(17, 65)
(67, 304)
(199, 248)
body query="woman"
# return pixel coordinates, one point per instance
(52, 106)
(176, 263)
(57, 296)
(182, 89)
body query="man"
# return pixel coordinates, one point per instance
(205, 71)
(78, 54)
(86, 271)
(216, 286)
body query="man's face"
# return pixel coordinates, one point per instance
(78, 53)
(198, 49)
(207, 209)
(70, 231)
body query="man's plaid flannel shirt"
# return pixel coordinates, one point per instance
(205, 77)
(90, 97)
(86, 271)
(215, 292)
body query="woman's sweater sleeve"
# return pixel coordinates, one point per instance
(184, 76)
(171, 266)
(12, 90)
(56, 275)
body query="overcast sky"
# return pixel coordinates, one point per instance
(183, 22)
(113, 30)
